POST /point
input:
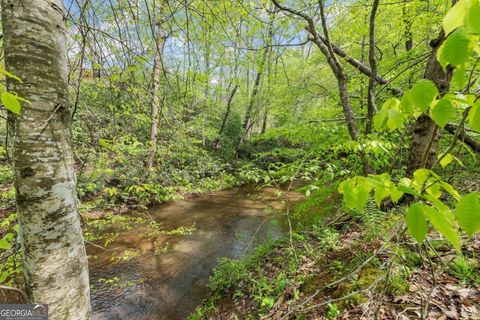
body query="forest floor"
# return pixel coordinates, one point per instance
(364, 267)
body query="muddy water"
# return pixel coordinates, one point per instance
(170, 284)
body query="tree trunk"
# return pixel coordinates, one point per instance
(155, 105)
(54, 259)
(264, 122)
(371, 106)
(258, 78)
(347, 107)
(408, 27)
(227, 114)
(426, 133)
(253, 97)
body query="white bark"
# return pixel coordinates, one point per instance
(155, 105)
(54, 262)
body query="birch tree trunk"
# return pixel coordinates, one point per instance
(155, 106)
(54, 259)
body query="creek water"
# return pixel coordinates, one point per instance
(169, 281)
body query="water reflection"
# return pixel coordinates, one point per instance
(159, 284)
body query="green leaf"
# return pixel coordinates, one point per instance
(467, 213)
(458, 78)
(5, 244)
(395, 119)
(380, 120)
(423, 93)
(446, 160)
(456, 49)
(11, 102)
(474, 116)
(421, 175)
(3, 276)
(434, 190)
(416, 222)
(396, 195)
(407, 186)
(8, 74)
(356, 192)
(436, 202)
(442, 221)
(382, 186)
(406, 105)
(442, 112)
(454, 17)
(472, 19)
(391, 103)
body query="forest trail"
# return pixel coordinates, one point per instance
(169, 284)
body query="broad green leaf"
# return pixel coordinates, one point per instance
(455, 16)
(442, 112)
(391, 103)
(437, 203)
(467, 213)
(446, 160)
(356, 192)
(421, 175)
(474, 116)
(380, 120)
(396, 195)
(395, 119)
(382, 186)
(11, 102)
(406, 105)
(407, 186)
(456, 48)
(416, 222)
(3, 276)
(5, 244)
(8, 74)
(434, 189)
(423, 93)
(442, 221)
(472, 18)
(458, 78)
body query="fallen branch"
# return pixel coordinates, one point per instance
(469, 141)
(23, 294)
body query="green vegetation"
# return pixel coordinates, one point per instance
(368, 109)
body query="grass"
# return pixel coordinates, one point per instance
(465, 270)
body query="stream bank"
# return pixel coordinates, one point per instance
(145, 275)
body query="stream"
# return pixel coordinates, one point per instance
(169, 278)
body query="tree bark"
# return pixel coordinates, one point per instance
(407, 21)
(227, 114)
(469, 141)
(253, 97)
(264, 122)
(155, 105)
(371, 106)
(54, 259)
(426, 133)
(256, 85)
